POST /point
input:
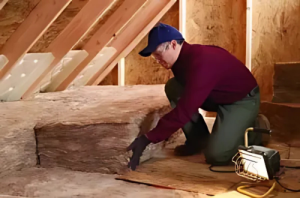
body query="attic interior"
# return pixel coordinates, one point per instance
(75, 93)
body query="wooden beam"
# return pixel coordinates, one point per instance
(121, 72)
(100, 39)
(2, 3)
(290, 162)
(72, 34)
(182, 17)
(30, 31)
(249, 34)
(132, 34)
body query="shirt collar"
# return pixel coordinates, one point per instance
(182, 58)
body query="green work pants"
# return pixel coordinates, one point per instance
(228, 130)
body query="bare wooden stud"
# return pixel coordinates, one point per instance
(72, 34)
(182, 17)
(121, 72)
(30, 31)
(249, 34)
(100, 39)
(132, 34)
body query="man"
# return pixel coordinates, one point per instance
(206, 77)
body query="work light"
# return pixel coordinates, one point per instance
(256, 163)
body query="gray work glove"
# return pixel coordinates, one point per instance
(137, 146)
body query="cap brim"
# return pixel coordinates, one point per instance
(147, 51)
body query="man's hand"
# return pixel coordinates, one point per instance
(137, 146)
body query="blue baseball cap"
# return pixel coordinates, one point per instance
(158, 35)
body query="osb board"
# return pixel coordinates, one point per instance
(58, 25)
(182, 175)
(286, 82)
(12, 15)
(221, 23)
(140, 70)
(284, 122)
(275, 39)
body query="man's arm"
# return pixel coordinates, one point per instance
(201, 80)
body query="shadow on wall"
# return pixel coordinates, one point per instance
(276, 38)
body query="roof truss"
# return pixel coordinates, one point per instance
(30, 31)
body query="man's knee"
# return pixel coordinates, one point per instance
(218, 157)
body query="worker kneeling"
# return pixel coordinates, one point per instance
(206, 77)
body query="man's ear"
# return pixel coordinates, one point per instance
(173, 44)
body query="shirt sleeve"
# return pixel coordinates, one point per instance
(201, 79)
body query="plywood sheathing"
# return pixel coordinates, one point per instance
(286, 82)
(276, 38)
(184, 175)
(221, 23)
(12, 15)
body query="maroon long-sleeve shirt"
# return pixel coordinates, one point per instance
(205, 72)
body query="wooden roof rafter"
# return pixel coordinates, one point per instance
(30, 31)
(101, 38)
(87, 17)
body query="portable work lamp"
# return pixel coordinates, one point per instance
(256, 163)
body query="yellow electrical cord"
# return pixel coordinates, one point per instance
(241, 190)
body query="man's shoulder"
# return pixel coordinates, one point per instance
(198, 49)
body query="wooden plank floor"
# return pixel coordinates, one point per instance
(182, 175)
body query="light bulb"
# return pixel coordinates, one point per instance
(23, 75)
(35, 61)
(10, 89)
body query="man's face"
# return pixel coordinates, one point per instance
(164, 55)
